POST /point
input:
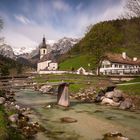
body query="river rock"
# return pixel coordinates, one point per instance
(101, 93)
(46, 88)
(68, 120)
(99, 96)
(13, 118)
(118, 93)
(17, 107)
(110, 88)
(114, 136)
(109, 94)
(115, 99)
(110, 102)
(2, 100)
(126, 104)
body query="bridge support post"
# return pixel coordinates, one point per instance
(63, 95)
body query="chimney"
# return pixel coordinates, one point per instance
(135, 58)
(124, 55)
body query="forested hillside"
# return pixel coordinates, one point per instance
(115, 36)
(110, 36)
(9, 66)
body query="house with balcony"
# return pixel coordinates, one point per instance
(119, 64)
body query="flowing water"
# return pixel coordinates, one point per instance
(93, 120)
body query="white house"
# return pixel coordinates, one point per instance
(47, 61)
(119, 64)
(82, 71)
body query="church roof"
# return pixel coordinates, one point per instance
(48, 57)
(43, 44)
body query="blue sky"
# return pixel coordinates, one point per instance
(25, 21)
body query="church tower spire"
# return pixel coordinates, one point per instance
(43, 47)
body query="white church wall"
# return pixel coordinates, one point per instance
(52, 72)
(42, 65)
(52, 66)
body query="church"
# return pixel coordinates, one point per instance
(47, 61)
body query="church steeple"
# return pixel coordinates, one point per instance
(44, 40)
(43, 48)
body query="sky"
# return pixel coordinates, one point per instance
(26, 21)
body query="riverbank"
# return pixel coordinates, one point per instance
(15, 124)
(93, 121)
(6, 131)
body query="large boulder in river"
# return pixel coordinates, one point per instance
(126, 104)
(114, 136)
(109, 102)
(109, 95)
(2, 100)
(118, 96)
(46, 88)
(118, 93)
(100, 96)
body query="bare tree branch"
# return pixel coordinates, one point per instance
(132, 9)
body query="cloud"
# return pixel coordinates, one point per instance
(60, 5)
(113, 12)
(22, 19)
(56, 19)
(18, 40)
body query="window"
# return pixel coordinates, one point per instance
(43, 51)
(120, 66)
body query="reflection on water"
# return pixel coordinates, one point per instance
(93, 120)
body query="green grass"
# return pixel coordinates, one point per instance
(74, 88)
(79, 81)
(134, 80)
(5, 131)
(75, 62)
(132, 90)
(3, 124)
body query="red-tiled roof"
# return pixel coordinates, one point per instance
(117, 58)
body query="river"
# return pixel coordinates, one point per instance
(93, 120)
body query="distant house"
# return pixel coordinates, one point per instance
(119, 64)
(47, 61)
(82, 71)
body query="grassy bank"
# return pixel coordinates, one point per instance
(132, 90)
(3, 125)
(76, 62)
(79, 81)
(132, 87)
(7, 132)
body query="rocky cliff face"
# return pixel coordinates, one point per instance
(64, 45)
(7, 51)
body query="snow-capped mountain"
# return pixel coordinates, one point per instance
(7, 51)
(22, 50)
(57, 47)
(32, 54)
(64, 45)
